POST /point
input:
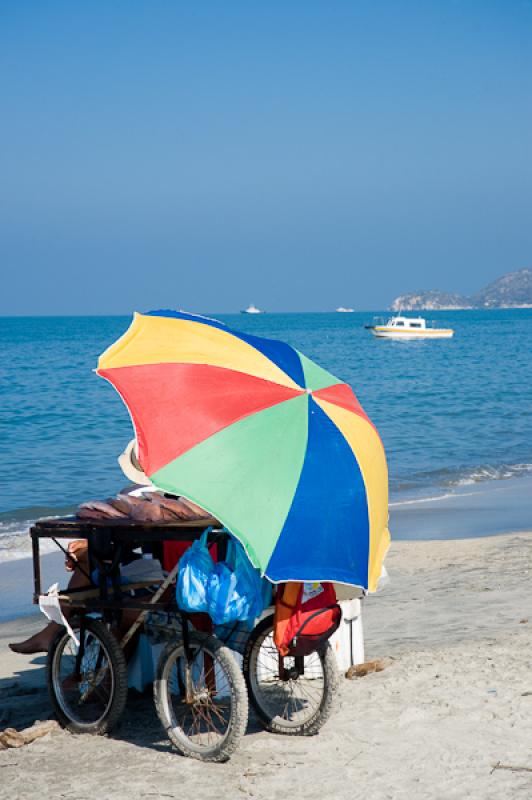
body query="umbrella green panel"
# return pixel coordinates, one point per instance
(246, 475)
(315, 376)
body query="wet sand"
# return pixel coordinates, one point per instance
(456, 700)
(475, 510)
(16, 584)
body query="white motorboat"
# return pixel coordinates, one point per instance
(252, 309)
(408, 328)
(342, 310)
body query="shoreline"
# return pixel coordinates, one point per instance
(492, 494)
(483, 510)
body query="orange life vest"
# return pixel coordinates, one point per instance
(306, 614)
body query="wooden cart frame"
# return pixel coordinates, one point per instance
(109, 542)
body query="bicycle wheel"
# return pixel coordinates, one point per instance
(203, 705)
(87, 684)
(293, 696)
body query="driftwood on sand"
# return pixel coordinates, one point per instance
(511, 767)
(10, 737)
(360, 670)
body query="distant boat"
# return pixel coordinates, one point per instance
(342, 310)
(408, 328)
(252, 309)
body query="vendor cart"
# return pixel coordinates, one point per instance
(201, 695)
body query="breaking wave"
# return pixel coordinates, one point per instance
(490, 473)
(455, 477)
(15, 541)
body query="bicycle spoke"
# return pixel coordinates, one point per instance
(204, 720)
(294, 700)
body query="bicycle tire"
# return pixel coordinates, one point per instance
(93, 701)
(268, 692)
(204, 708)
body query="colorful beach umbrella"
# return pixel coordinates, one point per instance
(271, 444)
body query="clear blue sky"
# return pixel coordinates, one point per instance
(300, 155)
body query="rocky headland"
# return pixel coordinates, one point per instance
(513, 290)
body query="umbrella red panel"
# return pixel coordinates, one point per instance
(341, 395)
(198, 399)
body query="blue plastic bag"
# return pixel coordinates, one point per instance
(195, 568)
(235, 591)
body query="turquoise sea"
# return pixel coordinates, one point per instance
(455, 415)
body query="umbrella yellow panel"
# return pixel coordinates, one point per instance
(163, 340)
(369, 452)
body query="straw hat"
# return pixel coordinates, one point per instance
(129, 464)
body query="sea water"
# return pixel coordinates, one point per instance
(454, 415)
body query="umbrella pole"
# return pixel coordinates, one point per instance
(142, 616)
(282, 671)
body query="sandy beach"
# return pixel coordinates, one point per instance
(194, 196)
(452, 709)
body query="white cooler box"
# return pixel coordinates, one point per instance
(348, 641)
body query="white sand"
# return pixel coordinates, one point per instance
(456, 700)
